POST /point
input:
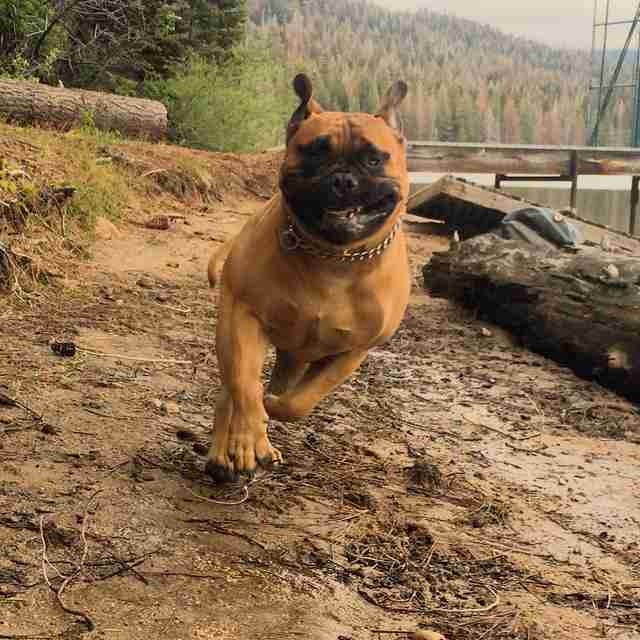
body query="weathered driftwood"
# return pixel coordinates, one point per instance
(581, 309)
(34, 103)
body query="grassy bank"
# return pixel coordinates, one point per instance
(113, 179)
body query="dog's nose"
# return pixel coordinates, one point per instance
(344, 184)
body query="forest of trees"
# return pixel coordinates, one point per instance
(224, 67)
(468, 82)
(113, 44)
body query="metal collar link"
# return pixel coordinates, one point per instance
(290, 240)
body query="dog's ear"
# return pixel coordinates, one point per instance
(388, 110)
(304, 90)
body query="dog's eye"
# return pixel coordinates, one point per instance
(373, 160)
(316, 149)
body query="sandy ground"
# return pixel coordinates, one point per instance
(457, 483)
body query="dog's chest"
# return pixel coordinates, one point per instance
(324, 327)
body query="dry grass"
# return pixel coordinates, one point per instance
(112, 178)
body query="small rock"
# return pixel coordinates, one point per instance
(170, 408)
(173, 265)
(368, 573)
(485, 333)
(145, 282)
(425, 634)
(426, 474)
(619, 359)
(200, 449)
(612, 271)
(105, 229)
(162, 223)
(107, 292)
(157, 403)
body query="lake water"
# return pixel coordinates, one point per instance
(603, 199)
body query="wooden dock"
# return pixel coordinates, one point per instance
(530, 163)
(474, 209)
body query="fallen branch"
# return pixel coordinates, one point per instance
(218, 528)
(13, 402)
(224, 503)
(504, 434)
(119, 356)
(68, 579)
(426, 610)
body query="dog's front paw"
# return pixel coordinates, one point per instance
(243, 455)
(220, 467)
(247, 451)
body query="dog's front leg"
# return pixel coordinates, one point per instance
(240, 440)
(320, 380)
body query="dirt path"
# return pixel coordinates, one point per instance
(458, 482)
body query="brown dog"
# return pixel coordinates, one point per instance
(322, 274)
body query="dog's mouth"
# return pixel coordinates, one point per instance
(341, 220)
(384, 205)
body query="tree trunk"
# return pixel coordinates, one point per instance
(581, 309)
(33, 103)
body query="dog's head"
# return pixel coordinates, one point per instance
(344, 176)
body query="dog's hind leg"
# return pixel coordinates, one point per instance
(286, 372)
(320, 379)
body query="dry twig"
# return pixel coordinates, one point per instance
(67, 579)
(119, 356)
(224, 503)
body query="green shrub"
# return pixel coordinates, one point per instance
(242, 104)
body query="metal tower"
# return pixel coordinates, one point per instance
(615, 72)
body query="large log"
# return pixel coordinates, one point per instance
(580, 308)
(34, 103)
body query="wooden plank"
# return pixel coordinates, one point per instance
(597, 162)
(458, 189)
(435, 157)
(474, 160)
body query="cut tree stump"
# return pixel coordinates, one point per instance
(33, 103)
(581, 308)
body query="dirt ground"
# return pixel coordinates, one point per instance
(457, 483)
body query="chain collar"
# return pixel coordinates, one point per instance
(290, 240)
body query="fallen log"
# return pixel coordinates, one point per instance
(580, 307)
(33, 103)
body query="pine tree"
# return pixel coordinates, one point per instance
(445, 130)
(511, 123)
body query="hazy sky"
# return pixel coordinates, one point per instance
(565, 23)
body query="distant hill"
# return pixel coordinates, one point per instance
(468, 81)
